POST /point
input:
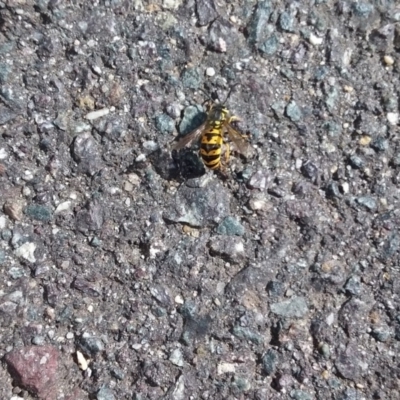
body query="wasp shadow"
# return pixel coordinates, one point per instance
(177, 165)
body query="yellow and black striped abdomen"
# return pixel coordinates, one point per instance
(211, 146)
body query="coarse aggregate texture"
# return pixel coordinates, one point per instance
(129, 271)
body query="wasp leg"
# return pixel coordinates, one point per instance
(234, 118)
(227, 152)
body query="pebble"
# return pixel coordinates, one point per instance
(353, 285)
(176, 358)
(91, 344)
(247, 334)
(389, 60)
(368, 202)
(105, 394)
(35, 368)
(193, 117)
(165, 124)
(228, 247)
(191, 78)
(27, 251)
(270, 46)
(365, 140)
(210, 71)
(230, 226)
(257, 25)
(293, 111)
(82, 362)
(171, 4)
(64, 206)
(315, 40)
(393, 118)
(196, 206)
(13, 209)
(270, 361)
(97, 114)
(286, 21)
(381, 333)
(294, 307)
(38, 212)
(226, 368)
(300, 395)
(173, 110)
(3, 153)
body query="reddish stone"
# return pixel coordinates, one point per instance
(34, 368)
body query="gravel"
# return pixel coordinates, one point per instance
(132, 272)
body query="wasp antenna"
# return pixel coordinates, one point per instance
(230, 92)
(207, 95)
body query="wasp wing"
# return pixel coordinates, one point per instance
(241, 144)
(190, 137)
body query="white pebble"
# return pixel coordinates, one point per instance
(393, 118)
(82, 362)
(3, 153)
(389, 60)
(140, 157)
(315, 40)
(345, 187)
(225, 367)
(97, 114)
(27, 251)
(179, 299)
(64, 206)
(210, 71)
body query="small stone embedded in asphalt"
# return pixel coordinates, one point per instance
(367, 202)
(206, 11)
(105, 394)
(91, 218)
(91, 345)
(247, 334)
(300, 395)
(390, 245)
(286, 21)
(86, 153)
(294, 112)
(27, 251)
(380, 144)
(362, 9)
(191, 78)
(176, 358)
(227, 247)
(270, 46)
(270, 361)
(162, 294)
(256, 27)
(38, 212)
(165, 124)
(200, 206)
(353, 285)
(193, 117)
(230, 226)
(275, 288)
(35, 368)
(381, 333)
(356, 161)
(348, 362)
(309, 170)
(331, 98)
(294, 307)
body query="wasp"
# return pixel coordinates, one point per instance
(211, 132)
